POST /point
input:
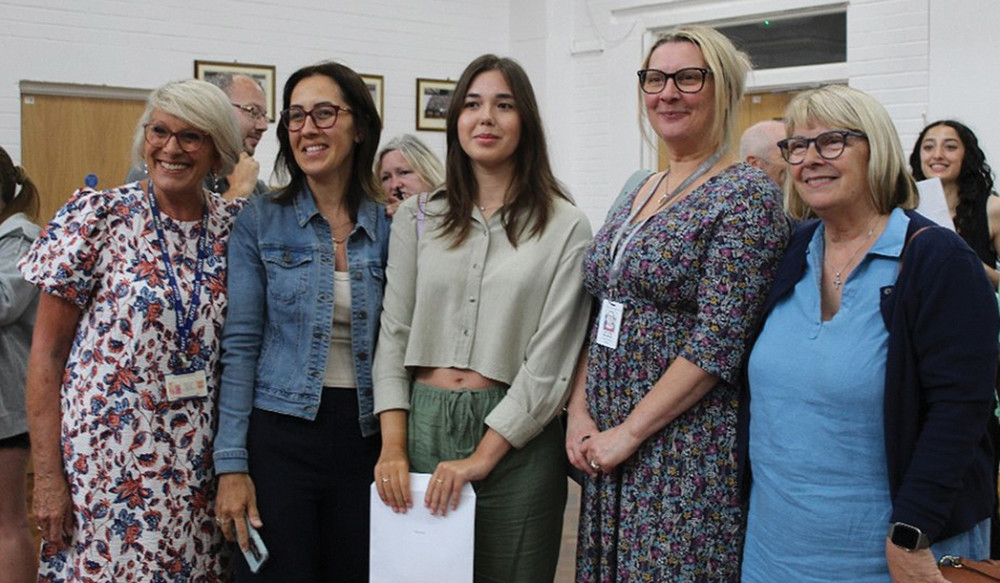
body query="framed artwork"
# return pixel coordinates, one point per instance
(262, 74)
(376, 86)
(433, 97)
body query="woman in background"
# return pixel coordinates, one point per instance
(950, 151)
(484, 314)
(871, 380)
(124, 363)
(680, 269)
(406, 166)
(297, 439)
(18, 301)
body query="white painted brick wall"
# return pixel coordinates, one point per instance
(144, 43)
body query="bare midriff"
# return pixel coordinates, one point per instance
(455, 379)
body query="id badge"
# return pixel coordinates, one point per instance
(610, 322)
(191, 385)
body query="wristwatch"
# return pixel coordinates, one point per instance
(907, 537)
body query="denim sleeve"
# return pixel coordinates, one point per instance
(241, 343)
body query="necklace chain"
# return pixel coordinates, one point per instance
(837, 281)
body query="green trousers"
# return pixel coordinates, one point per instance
(519, 506)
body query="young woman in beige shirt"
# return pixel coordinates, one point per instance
(483, 313)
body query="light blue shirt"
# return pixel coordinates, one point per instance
(820, 502)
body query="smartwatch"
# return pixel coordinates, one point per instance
(909, 538)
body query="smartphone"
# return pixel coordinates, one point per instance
(256, 554)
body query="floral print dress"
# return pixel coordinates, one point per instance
(139, 465)
(693, 280)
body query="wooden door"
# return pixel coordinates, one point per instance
(755, 107)
(64, 139)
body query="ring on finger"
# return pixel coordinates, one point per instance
(219, 521)
(595, 465)
(439, 480)
(384, 479)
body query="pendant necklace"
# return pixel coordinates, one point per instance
(837, 281)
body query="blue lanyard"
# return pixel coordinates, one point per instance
(618, 246)
(185, 322)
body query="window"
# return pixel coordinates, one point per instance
(795, 41)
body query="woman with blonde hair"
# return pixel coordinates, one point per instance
(406, 166)
(866, 455)
(679, 270)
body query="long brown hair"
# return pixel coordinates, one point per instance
(362, 182)
(528, 203)
(26, 200)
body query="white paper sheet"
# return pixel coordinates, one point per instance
(418, 547)
(933, 204)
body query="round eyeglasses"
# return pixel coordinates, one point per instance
(188, 140)
(829, 145)
(687, 80)
(324, 116)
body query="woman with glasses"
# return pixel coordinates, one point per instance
(297, 439)
(679, 271)
(124, 363)
(484, 315)
(863, 428)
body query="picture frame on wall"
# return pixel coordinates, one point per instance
(376, 86)
(262, 74)
(433, 97)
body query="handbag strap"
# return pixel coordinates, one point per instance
(989, 569)
(920, 231)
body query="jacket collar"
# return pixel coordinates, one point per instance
(305, 210)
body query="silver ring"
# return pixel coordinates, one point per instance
(219, 521)
(384, 479)
(595, 465)
(439, 480)
(39, 526)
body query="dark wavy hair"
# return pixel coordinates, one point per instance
(362, 182)
(975, 183)
(530, 194)
(26, 201)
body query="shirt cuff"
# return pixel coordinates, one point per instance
(511, 421)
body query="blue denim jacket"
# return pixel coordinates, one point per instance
(280, 315)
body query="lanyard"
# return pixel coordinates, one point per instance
(618, 246)
(185, 321)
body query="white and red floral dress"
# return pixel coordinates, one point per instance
(139, 465)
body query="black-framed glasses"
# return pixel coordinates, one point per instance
(253, 111)
(188, 140)
(323, 115)
(829, 145)
(687, 80)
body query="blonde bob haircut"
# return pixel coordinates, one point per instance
(730, 67)
(840, 107)
(205, 107)
(427, 165)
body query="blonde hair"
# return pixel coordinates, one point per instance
(729, 66)
(418, 155)
(205, 107)
(839, 106)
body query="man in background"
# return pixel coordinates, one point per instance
(759, 148)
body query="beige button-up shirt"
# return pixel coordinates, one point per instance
(517, 315)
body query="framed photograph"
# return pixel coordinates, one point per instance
(433, 97)
(262, 74)
(376, 86)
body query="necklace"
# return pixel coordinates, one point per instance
(837, 281)
(346, 235)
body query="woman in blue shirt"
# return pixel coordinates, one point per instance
(871, 379)
(297, 440)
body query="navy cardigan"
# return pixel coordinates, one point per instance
(941, 367)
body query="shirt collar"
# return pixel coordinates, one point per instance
(305, 210)
(889, 243)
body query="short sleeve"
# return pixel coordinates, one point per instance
(62, 261)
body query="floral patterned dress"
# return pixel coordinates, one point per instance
(693, 280)
(139, 465)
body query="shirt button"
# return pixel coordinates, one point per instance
(473, 300)
(362, 314)
(465, 332)
(356, 276)
(314, 374)
(310, 409)
(363, 356)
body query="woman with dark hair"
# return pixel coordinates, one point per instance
(297, 438)
(472, 370)
(950, 151)
(18, 302)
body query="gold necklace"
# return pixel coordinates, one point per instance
(837, 281)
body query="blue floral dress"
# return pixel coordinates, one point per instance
(693, 281)
(139, 466)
